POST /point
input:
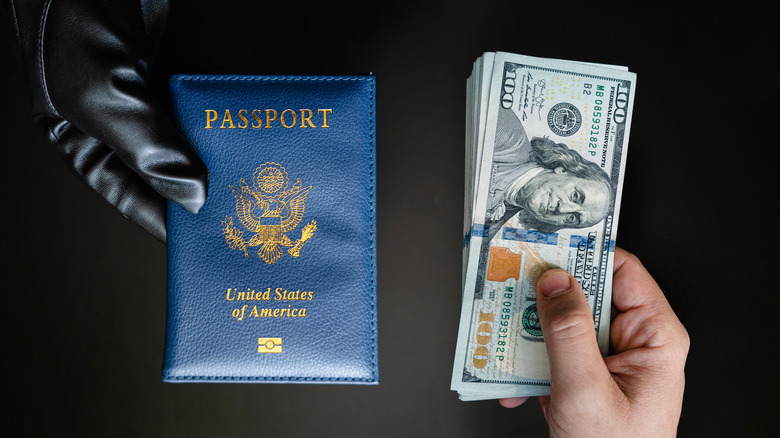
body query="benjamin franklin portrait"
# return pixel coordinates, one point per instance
(547, 185)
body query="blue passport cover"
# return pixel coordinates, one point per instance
(274, 280)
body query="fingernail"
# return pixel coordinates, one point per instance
(555, 283)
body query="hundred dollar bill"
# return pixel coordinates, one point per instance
(545, 158)
(477, 91)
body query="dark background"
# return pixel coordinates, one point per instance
(83, 289)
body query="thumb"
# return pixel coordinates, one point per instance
(576, 364)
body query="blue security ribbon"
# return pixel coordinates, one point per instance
(575, 241)
(530, 236)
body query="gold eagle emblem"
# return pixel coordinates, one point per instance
(269, 210)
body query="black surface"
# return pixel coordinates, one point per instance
(83, 289)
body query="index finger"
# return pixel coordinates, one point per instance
(645, 317)
(632, 285)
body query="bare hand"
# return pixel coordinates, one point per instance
(637, 390)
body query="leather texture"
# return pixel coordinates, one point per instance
(336, 342)
(87, 64)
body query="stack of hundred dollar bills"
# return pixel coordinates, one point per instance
(546, 145)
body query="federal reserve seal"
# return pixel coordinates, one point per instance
(530, 320)
(564, 119)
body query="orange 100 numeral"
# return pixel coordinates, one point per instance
(484, 334)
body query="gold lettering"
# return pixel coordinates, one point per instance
(268, 118)
(293, 116)
(282, 294)
(306, 118)
(227, 119)
(243, 119)
(325, 113)
(211, 116)
(256, 116)
(288, 118)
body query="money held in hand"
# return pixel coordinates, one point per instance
(546, 143)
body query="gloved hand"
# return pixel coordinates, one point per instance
(87, 65)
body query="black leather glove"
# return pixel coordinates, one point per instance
(87, 65)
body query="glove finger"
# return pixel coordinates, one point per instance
(95, 68)
(102, 170)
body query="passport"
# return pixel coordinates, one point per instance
(274, 280)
